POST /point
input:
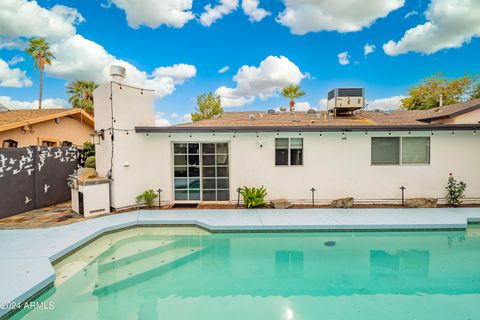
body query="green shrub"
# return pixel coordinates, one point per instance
(253, 197)
(147, 198)
(455, 191)
(90, 162)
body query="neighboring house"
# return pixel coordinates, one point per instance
(46, 127)
(368, 155)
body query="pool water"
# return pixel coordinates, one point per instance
(187, 273)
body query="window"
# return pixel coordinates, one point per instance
(66, 143)
(201, 171)
(289, 151)
(396, 150)
(9, 143)
(416, 150)
(385, 151)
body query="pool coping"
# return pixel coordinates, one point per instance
(27, 255)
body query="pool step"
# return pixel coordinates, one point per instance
(132, 251)
(118, 277)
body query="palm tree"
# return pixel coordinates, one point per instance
(39, 49)
(81, 94)
(292, 92)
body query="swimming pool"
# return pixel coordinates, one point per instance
(188, 273)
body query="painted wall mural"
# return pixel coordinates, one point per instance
(34, 177)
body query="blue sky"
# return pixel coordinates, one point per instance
(310, 40)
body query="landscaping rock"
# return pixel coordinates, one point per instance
(421, 203)
(280, 204)
(343, 203)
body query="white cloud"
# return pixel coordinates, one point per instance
(153, 13)
(368, 48)
(15, 77)
(160, 120)
(187, 117)
(224, 69)
(16, 60)
(303, 16)
(46, 103)
(343, 58)
(80, 58)
(212, 14)
(178, 72)
(263, 81)
(251, 9)
(411, 14)
(322, 103)
(450, 24)
(22, 18)
(174, 115)
(390, 103)
(10, 43)
(302, 106)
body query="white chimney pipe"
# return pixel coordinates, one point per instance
(441, 100)
(117, 73)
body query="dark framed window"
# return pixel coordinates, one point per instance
(400, 150)
(66, 143)
(9, 143)
(289, 151)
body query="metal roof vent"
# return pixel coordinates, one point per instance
(251, 116)
(270, 111)
(117, 72)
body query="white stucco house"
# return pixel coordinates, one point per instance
(367, 155)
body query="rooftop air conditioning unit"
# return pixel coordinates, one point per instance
(345, 101)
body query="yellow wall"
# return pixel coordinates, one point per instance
(69, 129)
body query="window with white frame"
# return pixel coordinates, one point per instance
(400, 150)
(288, 151)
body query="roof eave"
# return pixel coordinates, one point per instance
(347, 128)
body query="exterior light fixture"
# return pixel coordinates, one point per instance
(257, 134)
(147, 134)
(432, 133)
(313, 196)
(299, 133)
(409, 132)
(214, 133)
(366, 132)
(97, 136)
(191, 134)
(474, 131)
(389, 133)
(320, 133)
(169, 135)
(234, 134)
(453, 133)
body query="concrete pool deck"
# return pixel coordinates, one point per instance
(26, 255)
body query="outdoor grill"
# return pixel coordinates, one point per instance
(90, 193)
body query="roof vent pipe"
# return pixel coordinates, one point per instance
(440, 102)
(117, 73)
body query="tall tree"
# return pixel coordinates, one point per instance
(81, 94)
(292, 92)
(475, 94)
(39, 49)
(209, 106)
(428, 94)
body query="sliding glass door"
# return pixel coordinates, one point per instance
(201, 171)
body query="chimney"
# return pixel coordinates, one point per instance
(117, 73)
(440, 102)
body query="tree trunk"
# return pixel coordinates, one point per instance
(292, 105)
(41, 87)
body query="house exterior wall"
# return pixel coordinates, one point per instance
(129, 164)
(335, 167)
(69, 129)
(466, 118)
